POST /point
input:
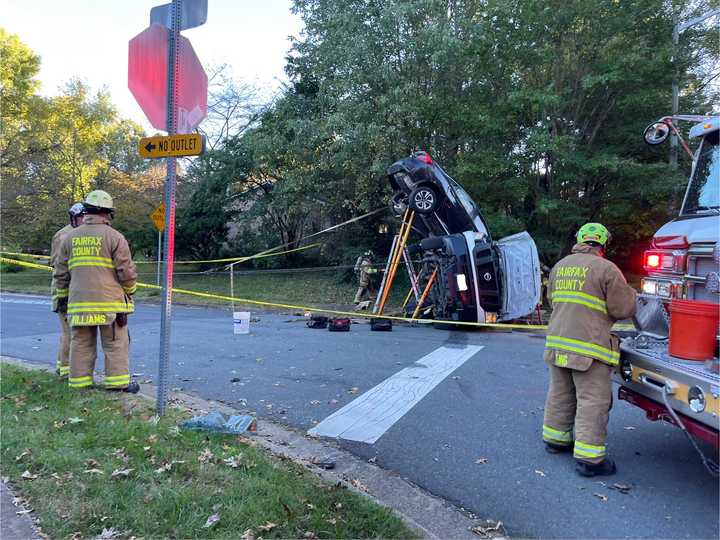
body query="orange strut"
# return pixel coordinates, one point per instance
(431, 282)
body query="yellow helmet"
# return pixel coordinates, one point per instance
(99, 199)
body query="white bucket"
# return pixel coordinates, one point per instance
(241, 322)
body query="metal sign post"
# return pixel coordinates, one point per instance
(170, 85)
(169, 251)
(159, 257)
(158, 218)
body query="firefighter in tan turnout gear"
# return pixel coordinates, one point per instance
(60, 296)
(96, 267)
(588, 294)
(364, 269)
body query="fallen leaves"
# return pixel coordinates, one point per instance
(540, 473)
(119, 453)
(600, 496)
(27, 475)
(212, 520)
(167, 466)
(117, 474)
(38, 408)
(206, 456)
(23, 454)
(310, 535)
(622, 488)
(482, 461)
(358, 485)
(108, 534)
(93, 471)
(249, 534)
(92, 463)
(269, 526)
(233, 461)
(75, 420)
(487, 529)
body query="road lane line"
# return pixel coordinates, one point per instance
(368, 417)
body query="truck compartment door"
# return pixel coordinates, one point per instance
(520, 267)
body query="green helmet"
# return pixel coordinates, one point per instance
(99, 199)
(593, 232)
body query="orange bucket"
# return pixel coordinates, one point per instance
(693, 329)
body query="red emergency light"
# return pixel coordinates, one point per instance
(664, 261)
(425, 158)
(652, 260)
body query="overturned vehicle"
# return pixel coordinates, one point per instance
(477, 279)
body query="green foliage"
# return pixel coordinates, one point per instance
(55, 150)
(536, 107)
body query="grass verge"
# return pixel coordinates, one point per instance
(92, 462)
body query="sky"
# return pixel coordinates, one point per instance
(89, 39)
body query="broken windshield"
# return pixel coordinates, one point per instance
(703, 194)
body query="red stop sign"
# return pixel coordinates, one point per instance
(147, 79)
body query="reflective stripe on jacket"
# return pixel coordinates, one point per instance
(588, 294)
(57, 294)
(95, 265)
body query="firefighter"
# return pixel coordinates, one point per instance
(363, 269)
(96, 267)
(59, 296)
(588, 294)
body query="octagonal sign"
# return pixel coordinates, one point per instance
(147, 79)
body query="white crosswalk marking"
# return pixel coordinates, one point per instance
(368, 417)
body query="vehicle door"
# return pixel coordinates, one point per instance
(520, 267)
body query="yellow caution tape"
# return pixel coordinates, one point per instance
(239, 259)
(212, 296)
(26, 255)
(25, 264)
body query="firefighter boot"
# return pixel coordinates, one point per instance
(551, 448)
(605, 468)
(132, 388)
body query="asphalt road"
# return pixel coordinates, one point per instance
(488, 409)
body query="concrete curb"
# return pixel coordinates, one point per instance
(12, 525)
(431, 517)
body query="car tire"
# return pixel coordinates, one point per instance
(423, 200)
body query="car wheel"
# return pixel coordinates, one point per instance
(423, 200)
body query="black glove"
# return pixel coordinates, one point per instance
(121, 319)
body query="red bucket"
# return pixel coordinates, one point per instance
(693, 329)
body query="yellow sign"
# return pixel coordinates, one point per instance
(190, 144)
(158, 217)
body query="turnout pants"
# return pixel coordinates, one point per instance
(83, 353)
(579, 400)
(62, 363)
(361, 292)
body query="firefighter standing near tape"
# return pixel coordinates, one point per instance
(588, 294)
(96, 267)
(60, 296)
(363, 269)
